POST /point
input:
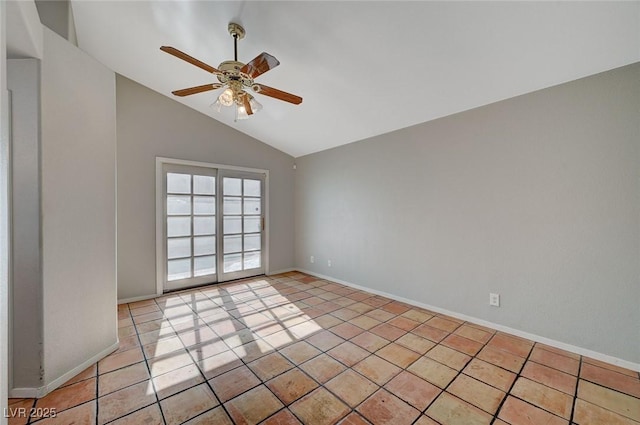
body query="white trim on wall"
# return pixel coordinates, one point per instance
(160, 161)
(39, 392)
(533, 337)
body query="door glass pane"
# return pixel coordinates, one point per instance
(252, 224)
(204, 265)
(252, 242)
(178, 226)
(178, 269)
(178, 204)
(204, 185)
(252, 205)
(232, 186)
(178, 247)
(232, 205)
(251, 187)
(178, 183)
(204, 205)
(203, 245)
(252, 260)
(232, 243)
(232, 224)
(232, 263)
(204, 225)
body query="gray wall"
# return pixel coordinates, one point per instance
(78, 207)
(23, 80)
(151, 125)
(536, 198)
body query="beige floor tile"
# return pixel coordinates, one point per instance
(556, 361)
(384, 408)
(324, 340)
(188, 404)
(432, 371)
(322, 368)
(270, 365)
(177, 380)
(590, 414)
(121, 378)
(474, 334)
(233, 383)
(442, 323)
(501, 358)
(415, 343)
(84, 414)
(490, 374)
(415, 391)
(219, 363)
(283, 417)
(253, 406)
(369, 341)
(319, 407)
(125, 401)
(377, 369)
(450, 410)
(550, 377)
(516, 346)
(448, 357)
(612, 379)
(291, 385)
(476, 393)
(615, 401)
(69, 396)
(119, 360)
(542, 396)
(300, 352)
(150, 415)
(430, 333)
(398, 355)
(348, 353)
(216, 416)
(351, 387)
(462, 344)
(517, 412)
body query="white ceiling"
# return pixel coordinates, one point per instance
(363, 68)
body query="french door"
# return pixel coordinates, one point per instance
(213, 225)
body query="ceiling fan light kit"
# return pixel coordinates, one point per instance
(237, 78)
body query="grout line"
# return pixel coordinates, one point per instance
(146, 362)
(575, 392)
(508, 393)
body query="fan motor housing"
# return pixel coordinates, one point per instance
(231, 72)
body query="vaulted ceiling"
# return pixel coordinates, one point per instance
(363, 68)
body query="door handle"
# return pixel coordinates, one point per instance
(262, 223)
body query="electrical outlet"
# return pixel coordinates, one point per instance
(494, 300)
(312, 259)
(329, 263)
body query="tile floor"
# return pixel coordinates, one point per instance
(292, 349)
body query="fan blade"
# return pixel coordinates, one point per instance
(193, 61)
(278, 94)
(247, 105)
(260, 64)
(198, 89)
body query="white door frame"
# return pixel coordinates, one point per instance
(160, 161)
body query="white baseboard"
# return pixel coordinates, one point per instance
(39, 392)
(533, 337)
(291, 269)
(140, 298)
(148, 297)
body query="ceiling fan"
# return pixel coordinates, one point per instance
(237, 77)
